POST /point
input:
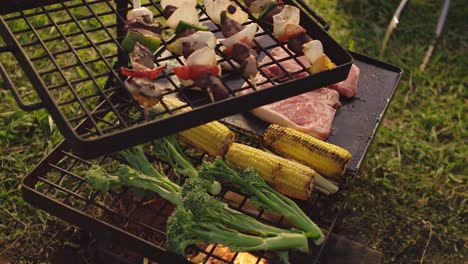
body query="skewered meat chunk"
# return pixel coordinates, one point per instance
(136, 25)
(213, 85)
(147, 93)
(241, 52)
(190, 47)
(230, 27)
(168, 11)
(268, 18)
(142, 58)
(295, 43)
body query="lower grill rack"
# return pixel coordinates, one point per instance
(57, 186)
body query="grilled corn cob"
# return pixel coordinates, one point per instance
(213, 137)
(286, 176)
(327, 159)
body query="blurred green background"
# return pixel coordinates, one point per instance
(410, 199)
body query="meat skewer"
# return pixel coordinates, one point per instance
(197, 45)
(287, 29)
(141, 39)
(238, 44)
(239, 39)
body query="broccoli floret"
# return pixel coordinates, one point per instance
(204, 218)
(127, 176)
(101, 180)
(262, 195)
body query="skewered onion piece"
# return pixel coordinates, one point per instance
(140, 12)
(199, 36)
(214, 9)
(205, 56)
(289, 15)
(187, 13)
(246, 35)
(313, 50)
(178, 3)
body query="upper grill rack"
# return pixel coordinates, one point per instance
(70, 51)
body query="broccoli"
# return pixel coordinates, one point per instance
(136, 158)
(262, 195)
(202, 218)
(101, 180)
(168, 150)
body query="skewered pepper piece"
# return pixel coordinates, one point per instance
(286, 176)
(150, 74)
(132, 37)
(327, 159)
(213, 137)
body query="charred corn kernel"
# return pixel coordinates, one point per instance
(213, 137)
(286, 176)
(325, 158)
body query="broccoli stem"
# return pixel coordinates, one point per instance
(185, 227)
(263, 195)
(168, 150)
(136, 158)
(247, 224)
(240, 242)
(162, 187)
(101, 180)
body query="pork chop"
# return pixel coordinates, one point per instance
(348, 87)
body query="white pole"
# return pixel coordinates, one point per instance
(136, 4)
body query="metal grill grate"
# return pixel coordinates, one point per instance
(59, 178)
(70, 52)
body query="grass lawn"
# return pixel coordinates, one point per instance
(410, 199)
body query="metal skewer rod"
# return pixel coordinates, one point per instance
(393, 24)
(439, 28)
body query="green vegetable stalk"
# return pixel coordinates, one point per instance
(262, 195)
(136, 158)
(101, 180)
(202, 218)
(168, 150)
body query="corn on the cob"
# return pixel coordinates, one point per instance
(213, 137)
(286, 176)
(327, 159)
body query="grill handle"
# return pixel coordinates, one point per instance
(312, 14)
(16, 95)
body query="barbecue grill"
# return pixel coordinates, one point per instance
(97, 116)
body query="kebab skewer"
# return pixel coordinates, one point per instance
(196, 44)
(238, 41)
(286, 28)
(142, 39)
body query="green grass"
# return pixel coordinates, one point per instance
(411, 195)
